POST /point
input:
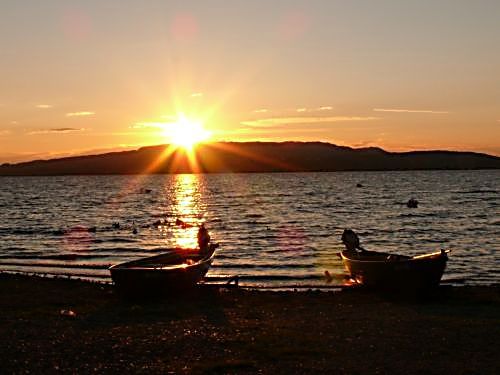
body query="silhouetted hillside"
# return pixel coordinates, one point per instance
(253, 157)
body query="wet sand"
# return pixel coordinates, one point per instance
(236, 331)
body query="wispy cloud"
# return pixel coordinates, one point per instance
(56, 130)
(4, 132)
(43, 106)
(65, 130)
(291, 111)
(376, 142)
(82, 113)
(363, 143)
(305, 120)
(196, 94)
(400, 110)
(148, 124)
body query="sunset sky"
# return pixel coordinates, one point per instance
(91, 76)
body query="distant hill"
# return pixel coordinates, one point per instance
(226, 157)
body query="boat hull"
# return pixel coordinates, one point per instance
(164, 273)
(384, 271)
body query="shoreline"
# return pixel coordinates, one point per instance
(238, 331)
(229, 283)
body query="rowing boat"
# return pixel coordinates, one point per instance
(175, 270)
(389, 271)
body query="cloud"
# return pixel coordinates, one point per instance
(65, 130)
(82, 113)
(148, 124)
(56, 130)
(43, 106)
(408, 110)
(304, 120)
(369, 142)
(318, 109)
(4, 132)
(293, 111)
(196, 94)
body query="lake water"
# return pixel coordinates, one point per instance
(273, 229)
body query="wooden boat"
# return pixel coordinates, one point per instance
(177, 269)
(389, 271)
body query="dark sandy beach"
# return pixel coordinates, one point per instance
(236, 331)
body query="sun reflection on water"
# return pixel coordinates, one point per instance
(189, 209)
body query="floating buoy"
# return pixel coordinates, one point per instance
(412, 203)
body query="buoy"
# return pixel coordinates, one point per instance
(412, 203)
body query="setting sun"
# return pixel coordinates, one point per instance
(186, 132)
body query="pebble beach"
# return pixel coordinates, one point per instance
(69, 326)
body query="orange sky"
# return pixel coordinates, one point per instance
(88, 76)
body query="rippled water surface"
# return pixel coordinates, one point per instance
(273, 229)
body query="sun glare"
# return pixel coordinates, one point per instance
(186, 132)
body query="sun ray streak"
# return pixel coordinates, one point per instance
(232, 148)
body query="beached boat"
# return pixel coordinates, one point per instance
(390, 271)
(174, 270)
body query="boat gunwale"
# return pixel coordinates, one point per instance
(201, 261)
(123, 266)
(419, 258)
